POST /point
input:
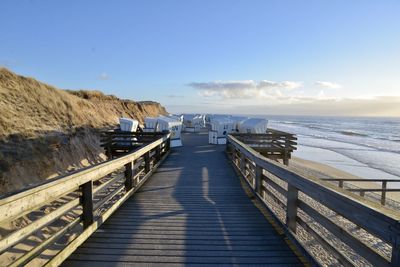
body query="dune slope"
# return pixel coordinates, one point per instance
(45, 131)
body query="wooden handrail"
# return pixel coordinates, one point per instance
(377, 220)
(361, 180)
(84, 195)
(383, 190)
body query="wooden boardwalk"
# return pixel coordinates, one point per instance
(192, 211)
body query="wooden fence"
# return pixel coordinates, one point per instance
(273, 144)
(117, 143)
(332, 217)
(64, 212)
(383, 190)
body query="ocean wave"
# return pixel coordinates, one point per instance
(352, 133)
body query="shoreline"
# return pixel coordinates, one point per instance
(341, 162)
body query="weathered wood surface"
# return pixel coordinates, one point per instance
(376, 220)
(192, 211)
(78, 202)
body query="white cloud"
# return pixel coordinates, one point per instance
(284, 85)
(104, 76)
(244, 89)
(330, 85)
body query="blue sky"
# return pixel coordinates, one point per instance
(214, 56)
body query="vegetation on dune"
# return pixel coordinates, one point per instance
(45, 131)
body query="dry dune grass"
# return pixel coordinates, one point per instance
(45, 131)
(30, 107)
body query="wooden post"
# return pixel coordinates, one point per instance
(341, 183)
(147, 162)
(258, 180)
(395, 260)
(285, 157)
(87, 204)
(383, 196)
(158, 153)
(243, 164)
(168, 144)
(236, 157)
(229, 148)
(109, 147)
(128, 176)
(287, 151)
(291, 204)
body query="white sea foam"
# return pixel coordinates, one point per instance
(370, 141)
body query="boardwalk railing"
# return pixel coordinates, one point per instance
(318, 216)
(383, 190)
(117, 143)
(59, 215)
(273, 144)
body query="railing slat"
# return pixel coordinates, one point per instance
(22, 233)
(338, 255)
(365, 251)
(42, 246)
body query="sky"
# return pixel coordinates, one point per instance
(244, 57)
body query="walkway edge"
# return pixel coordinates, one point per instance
(302, 253)
(67, 251)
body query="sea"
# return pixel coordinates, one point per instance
(366, 147)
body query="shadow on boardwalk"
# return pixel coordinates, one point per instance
(192, 211)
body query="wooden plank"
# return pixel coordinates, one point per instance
(200, 242)
(275, 186)
(79, 263)
(108, 197)
(360, 180)
(279, 245)
(106, 185)
(187, 260)
(363, 190)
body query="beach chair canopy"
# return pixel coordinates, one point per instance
(253, 125)
(128, 125)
